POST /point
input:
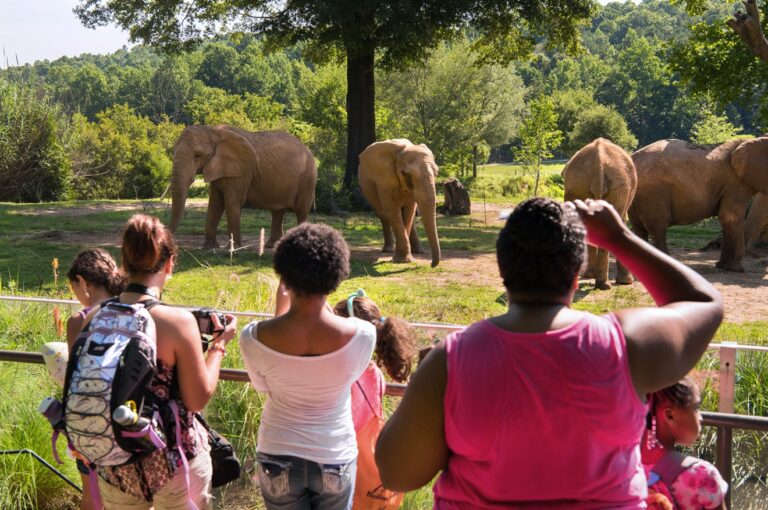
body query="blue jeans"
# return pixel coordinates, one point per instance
(292, 483)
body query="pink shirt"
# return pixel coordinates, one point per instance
(542, 420)
(367, 395)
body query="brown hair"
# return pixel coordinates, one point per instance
(97, 267)
(395, 342)
(147, 245)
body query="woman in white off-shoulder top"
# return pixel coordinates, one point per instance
(306, 359)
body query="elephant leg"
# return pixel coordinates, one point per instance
(212, 217)
(732, 219)
(659, 237)
(233, 206)
(601, 270)
(276, 230)
(590, 271)
(409, 220)
(623, 276)
(402, 245)
(389, 241)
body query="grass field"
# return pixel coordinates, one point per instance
(463, 289)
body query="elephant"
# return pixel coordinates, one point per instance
(757, 222)
(395, 176)
(269, 170)
(602, 170)
(679, 183)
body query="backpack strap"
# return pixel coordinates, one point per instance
(671, 465)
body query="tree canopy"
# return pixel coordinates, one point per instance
(397, 32)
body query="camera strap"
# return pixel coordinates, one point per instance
(140, 289)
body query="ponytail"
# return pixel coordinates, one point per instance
(147, 245)
(97, 267)
(395, 341)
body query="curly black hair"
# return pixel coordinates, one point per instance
(541, 248)
(312, 259)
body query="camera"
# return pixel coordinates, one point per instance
(204, 321)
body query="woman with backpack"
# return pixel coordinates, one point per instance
(185, 379)
(544, 406)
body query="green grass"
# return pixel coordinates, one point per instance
(31, 236)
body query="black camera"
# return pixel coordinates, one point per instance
(205, 322)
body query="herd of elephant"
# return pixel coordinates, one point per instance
(669, 182)
(672, 182)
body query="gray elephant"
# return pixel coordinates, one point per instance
(757, 222)
(395, 176)
(602, 170)
(269, 170)
(680, 183)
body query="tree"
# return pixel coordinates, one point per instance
(401, 32)
(455, 105)
(601, 122)
(713, 128)
(538, 136)
(718, 59)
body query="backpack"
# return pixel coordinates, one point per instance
(112, 364)
(661, 477)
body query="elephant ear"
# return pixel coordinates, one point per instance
(233, 156)
(750, 163)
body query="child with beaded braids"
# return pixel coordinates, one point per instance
(674, 418)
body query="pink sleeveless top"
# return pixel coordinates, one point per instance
(542, 420)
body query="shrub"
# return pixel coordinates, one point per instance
(122, 155)
(34, 165)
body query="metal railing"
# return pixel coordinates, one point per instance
(724, 419)
(725, 422)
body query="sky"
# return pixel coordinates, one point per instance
(33, 30)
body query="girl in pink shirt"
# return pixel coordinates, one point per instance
(693, 484)
(542, 406)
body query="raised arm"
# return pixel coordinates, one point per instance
(411, 448)
(663, 343)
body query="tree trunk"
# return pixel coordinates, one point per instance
(361, 119)
(747, 26)
(474, 161)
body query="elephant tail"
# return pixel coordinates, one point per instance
(597, 185)
(305, 198)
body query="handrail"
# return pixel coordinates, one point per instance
(725, 422)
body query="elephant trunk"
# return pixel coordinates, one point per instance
(427, 208)
(182, 176)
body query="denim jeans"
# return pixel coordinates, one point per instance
(292, 483)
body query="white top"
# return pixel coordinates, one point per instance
(308, 413)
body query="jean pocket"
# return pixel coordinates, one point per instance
(336, 477)
(273, 475)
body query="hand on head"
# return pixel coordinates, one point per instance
(604, 225)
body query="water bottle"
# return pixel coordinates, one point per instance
(53, 410)
(130, 420)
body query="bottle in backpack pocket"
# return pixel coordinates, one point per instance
(139, 428)
(52, 409)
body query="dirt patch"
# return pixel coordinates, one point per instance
(744, 293)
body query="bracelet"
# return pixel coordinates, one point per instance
(222, 350)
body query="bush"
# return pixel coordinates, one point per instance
(34, 165)
(123, 155)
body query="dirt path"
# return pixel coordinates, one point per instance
(744, 293)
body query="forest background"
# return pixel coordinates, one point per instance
(103, 126)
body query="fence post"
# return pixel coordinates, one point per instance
(725, 405)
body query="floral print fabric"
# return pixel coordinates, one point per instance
(699, 487)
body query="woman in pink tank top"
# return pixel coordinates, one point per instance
(543, 406)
